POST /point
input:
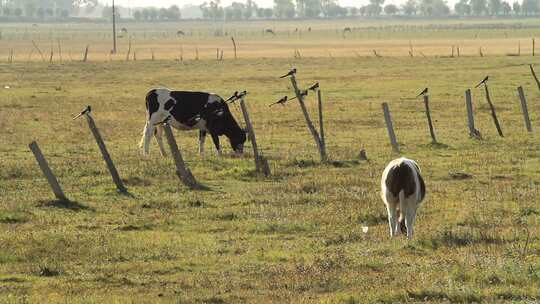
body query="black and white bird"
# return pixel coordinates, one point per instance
(290, 73)
(314, 87)
(84, 112)
(482, 82)
(282, 101)
(424, 92)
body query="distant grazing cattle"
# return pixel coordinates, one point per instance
(180, 33)
(403, 190)
(309, 29)
(347, 30)
(206, 112)
(269, 31)
(124, 30)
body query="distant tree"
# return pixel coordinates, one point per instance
(494, 7)
(153, 13)
(49, 12)
(363, 10)
(300, 8)
(268, 13)
(478, 7)
(173, 13)
(516, 7)
(434, 8)
(353, 11)
(333, 10)
(237, 10)
(145, 13)
(374, 8)
(410, 7)
(506, 8)
(260, 12)
(30, 9)
(18, 12)
(250, 9)
(40, 13)
(284, 9)
(328, 7)
(106, 13)
(312, 8)
(462, 8)
(137, 15)
(6, 11)
(530, 7)
(162, 14)
(391, 9)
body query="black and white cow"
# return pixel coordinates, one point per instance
(403, 190)
(206, 112)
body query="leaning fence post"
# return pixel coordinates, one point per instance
(493, 113)
(321, 122)
(183, 173)
(310, 125)
(524, 109)
(106, 156)
(85, 58)
(42, 162)
(261, 164)
(534, 75)
(390, 127)
(428, 114)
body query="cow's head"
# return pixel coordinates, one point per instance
(221, 121)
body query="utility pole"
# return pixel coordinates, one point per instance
(114, 27)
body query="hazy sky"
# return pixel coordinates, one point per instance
(262, 3)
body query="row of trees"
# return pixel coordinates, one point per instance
(288, 9)
(154, 14)
(283, 9)
(43, 8)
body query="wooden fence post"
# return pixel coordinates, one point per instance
(300, 97)
(106, 156)
(493, 113)
(321, 122)
(390, 127)
(234, 46)
(524, 109)
(39, 51)
(534, 75)
(470, 115)
(261, 164)
(85, 58)
(183, 173)
(42, 162)
(430, 123)
(129, 50)
(533, 46)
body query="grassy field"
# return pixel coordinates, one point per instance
(326, 39)
(295, 237)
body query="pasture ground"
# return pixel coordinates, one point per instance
(296, 236)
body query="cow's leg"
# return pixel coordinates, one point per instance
(392, 218)
(410, 215)
(215, 139)
(391, 207)
(159, 138)
(202, 137)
